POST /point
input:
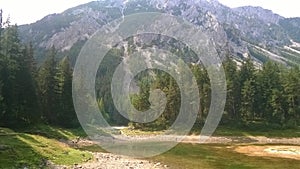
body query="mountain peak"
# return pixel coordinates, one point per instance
(259, 13)
(237, 30)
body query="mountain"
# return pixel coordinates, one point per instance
(242, 31)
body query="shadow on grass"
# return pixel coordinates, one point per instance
(55, 132)
(23, 150)
(58, 152)
(18, 154)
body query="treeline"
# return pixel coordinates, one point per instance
(28, 94)
(269, 96)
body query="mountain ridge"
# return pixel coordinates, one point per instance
(233, 29)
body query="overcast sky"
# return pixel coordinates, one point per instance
(28, 11)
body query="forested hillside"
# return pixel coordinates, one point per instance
(31, 94)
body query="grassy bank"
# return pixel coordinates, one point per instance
(19, 150)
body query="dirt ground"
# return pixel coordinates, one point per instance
(255, 145)
(292, 152)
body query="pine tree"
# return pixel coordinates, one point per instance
(203, 83)
(11, 51)
(291, 83)
(1, 98)
(277, 102)
(2, 65)
(269, 82)
(247, 71)
(47, 87)
(66, 113)
(233, 88)
(173, 100)
(248, 100)
(27, 101)
(32, 65)
(247, 90)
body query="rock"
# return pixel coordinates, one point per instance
(157, 164)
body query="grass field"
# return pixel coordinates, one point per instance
(191, 156)
(19, 150)
(230, 131)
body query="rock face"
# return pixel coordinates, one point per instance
(240, 31)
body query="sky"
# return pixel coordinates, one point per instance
(29, 11)
(286, 8)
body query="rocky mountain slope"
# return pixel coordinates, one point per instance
(241, 31)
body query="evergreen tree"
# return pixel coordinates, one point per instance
(140, 101)
(19, 102)
(66, 113)
(248, 100)
(31, 62)
(233, 88)
(10, 54)
(247, 90)
(203, 83)
(278, 107)
(269, 83)
(173, 100)
(2, 65)
(103, 85)
(291, 83)
(27, 101)
(247, 71)
(47, 87)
